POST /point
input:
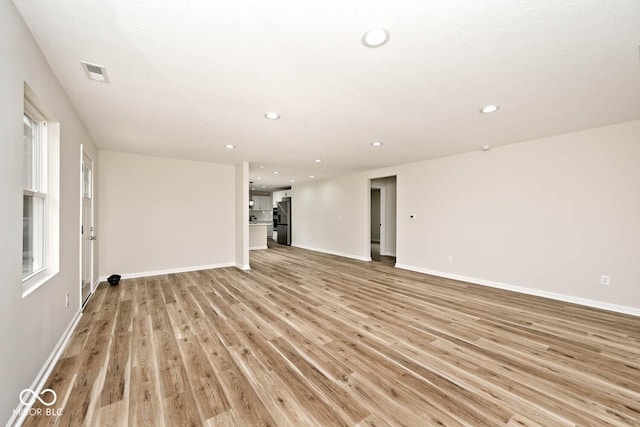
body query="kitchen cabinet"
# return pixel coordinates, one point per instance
(265, 203)
(261, 203)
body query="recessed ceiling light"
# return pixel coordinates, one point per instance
(376, 143)
(259, 177)
(261, 167)
(264, 186)
(375, 37)
(318, 160)
(311, 176)
(292, 180)
(490, 109)
(276, 172)
(272, 116)
(486, 147)
(229, 146)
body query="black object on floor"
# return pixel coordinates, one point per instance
(114, 279)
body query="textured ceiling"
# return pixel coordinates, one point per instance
(189, 77)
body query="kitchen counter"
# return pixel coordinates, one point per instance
(269, 224)
(257, 235)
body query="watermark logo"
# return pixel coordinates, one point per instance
(47, 397)
(28, 391)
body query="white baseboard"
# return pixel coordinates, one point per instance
(171, 271)
(326, 251)
(243, 267)
(389, 254)
(21, 412)
(255, 248)
(529, 291)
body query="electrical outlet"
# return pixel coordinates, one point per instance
(450, 258)
(66, 300)
(605, 280)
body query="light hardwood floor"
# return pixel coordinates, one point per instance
(311, 339)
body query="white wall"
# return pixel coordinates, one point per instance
(32, 326)
(242, 216)
(162, 214)
(550, 215)
(332, 215)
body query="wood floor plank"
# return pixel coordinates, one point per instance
(61, 381)
(331, 390)
(322, 411)
(316, 355)
(170, 367)
(123, 319)
(310, 339)
(388, 379)
(76, 411)
(208, 392)
(145, 401)
(283, 405)
(116, 376)
(181, 410)
(112, 415)
(248, 408)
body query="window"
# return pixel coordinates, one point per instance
(40, 194)
(86, 181)
(34, 183)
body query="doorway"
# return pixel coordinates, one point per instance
(376, 225)
(383, 219)
(86, 229)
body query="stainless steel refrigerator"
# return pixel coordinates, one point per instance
(284, 221)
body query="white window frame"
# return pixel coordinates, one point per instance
(45, 185)
(38, 171)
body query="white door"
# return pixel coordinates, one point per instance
(87, 227)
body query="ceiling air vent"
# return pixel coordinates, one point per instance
(95, 72)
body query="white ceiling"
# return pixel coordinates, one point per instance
(189, 77)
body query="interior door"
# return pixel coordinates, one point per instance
(87, 227)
